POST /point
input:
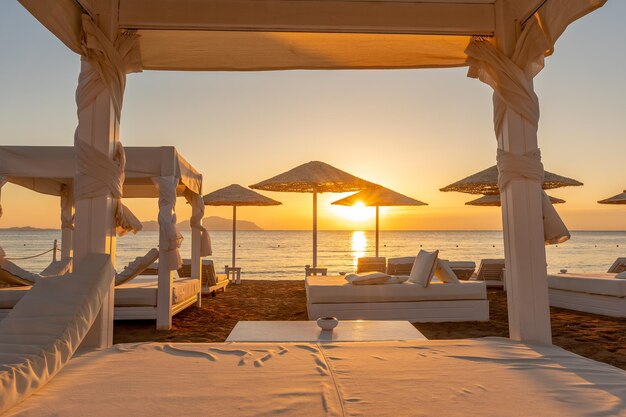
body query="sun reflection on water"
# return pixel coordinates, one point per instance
(358, 246)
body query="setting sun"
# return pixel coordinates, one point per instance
(358, 212)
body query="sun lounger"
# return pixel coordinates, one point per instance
(463, 269)
(593, 293)
(618, 266)
(211, 282)
(137, 267)
(44, 329)
(371, 264)
(13, 275)
(334, 296)
(492, 272)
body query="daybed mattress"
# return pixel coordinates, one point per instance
(484, 377)
(142, 291)
(335, 289)
(601, 284)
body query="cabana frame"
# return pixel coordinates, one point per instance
(50, 169)
(213, 35)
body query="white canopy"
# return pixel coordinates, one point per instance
(309, 34)
(46, 169)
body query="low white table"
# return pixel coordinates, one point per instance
(309, 331)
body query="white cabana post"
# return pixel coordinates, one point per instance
(218, 35)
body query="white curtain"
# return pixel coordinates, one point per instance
(512, 81)
(170, 238)
(3, 181)
(67, 200)
(197, 204)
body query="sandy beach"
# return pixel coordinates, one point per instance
(597, 337)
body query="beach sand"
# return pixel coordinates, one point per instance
(597, 337)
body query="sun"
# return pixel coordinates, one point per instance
(356, 213)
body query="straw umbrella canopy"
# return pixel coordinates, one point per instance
(616, 199)
(314, 177)
(493, 200)
(235, 195)
(486, 182)
(379, 197)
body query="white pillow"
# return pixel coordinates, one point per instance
(445, 273)
(397, 279)
(621, 275)
(424, 268)
(367, 278)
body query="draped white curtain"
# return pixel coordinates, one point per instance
(3, 181)
(67, 201)
(170, 238)
(197, 204)
(512, 81)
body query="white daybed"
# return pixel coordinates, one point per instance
(150, 172)
(439, 302)
(452, 378)
(593, 293)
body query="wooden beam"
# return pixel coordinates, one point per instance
(469, 17)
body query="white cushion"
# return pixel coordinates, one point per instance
(424, 268)
(336, 290)
(397, 279)
(621, 275)
(445, 273)
(601, 284)
(367, 278)
(14, 275)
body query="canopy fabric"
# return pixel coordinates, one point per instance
(314, 34)
(493, 200)
(314, 177)
(486, 182)
(616, 199)
(380, 197)
(236, 195)
(48, 169)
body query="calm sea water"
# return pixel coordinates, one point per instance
(283, 254)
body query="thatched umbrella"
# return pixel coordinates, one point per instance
(494, 201)
(314, 177)
(616, 199)
(235, 195)
(379, 197)
(486, 182)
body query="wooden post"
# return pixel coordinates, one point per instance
(55, 247)
(98, 125)
(196, 259)
(522, 223)
(377, 231)
(314, 229)
(167, 207)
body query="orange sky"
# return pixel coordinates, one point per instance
(413, 131)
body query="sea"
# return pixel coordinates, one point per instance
(277, 255)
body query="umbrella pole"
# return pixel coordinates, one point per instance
(234, 235)
(314, 229)
(377, 231)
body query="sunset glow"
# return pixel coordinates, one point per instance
(357, 213)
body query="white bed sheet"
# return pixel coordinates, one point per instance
(483, 377)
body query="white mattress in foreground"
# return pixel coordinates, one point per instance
(485, 377)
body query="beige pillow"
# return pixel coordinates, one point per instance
(621, 275)
(424, 268)
(367, 278)
(445, 273)
(397, 279)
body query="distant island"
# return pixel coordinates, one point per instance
(211, 223)
(27, 229)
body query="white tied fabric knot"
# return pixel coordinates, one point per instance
(529, 167)
(196, 202)
(98, 175)
(170, 238)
